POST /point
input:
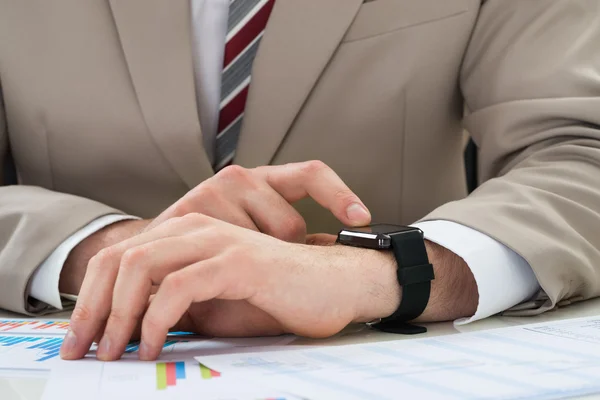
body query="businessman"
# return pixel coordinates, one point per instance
(173, 155)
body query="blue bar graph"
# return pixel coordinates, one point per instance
(47, 347)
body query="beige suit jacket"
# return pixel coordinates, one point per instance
(101, 117)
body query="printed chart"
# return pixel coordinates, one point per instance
(37, 354)
(36, 327)
(176, 375)
(31, 347)
(167, 374)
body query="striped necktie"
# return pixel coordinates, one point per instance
(246, 25)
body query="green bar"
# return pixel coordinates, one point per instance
(205, 372)
(161, 376)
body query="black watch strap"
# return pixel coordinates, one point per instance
(415, 274)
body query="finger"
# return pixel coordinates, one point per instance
(274, 216)
(199, 282)
(142, 267)
(209, 201)
(321, 239)
(95, 298)
(271, 213)
(315, 179)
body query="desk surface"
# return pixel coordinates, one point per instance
(32, 388)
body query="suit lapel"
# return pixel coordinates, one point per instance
(299, 41)
(156, 40)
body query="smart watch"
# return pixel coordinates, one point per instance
(414, 273)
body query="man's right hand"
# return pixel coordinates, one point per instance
(259, 199)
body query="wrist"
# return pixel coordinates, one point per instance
(379, 293)
(453, 291)
(75, 266)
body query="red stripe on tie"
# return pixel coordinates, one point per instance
(234, 109)
(171, 374)
(248, 33)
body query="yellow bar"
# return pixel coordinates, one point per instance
(161, 376)
(205, 372)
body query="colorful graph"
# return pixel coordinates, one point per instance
(48, 347)
(167, 374)
(33, 326)
(208, 373)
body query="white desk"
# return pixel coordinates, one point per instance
(32, 388)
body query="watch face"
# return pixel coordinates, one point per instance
(382, 229)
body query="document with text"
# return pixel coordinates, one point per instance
(541, 361)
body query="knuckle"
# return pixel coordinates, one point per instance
(297, 225)
(134, 258)
(81, 313)
(314, 166)
(181, 208)
(152, 323)
(117, 317)
(205, 193)
(108, 254)
(291, 229)
(173, 283)
(234, 172)
(193, 219)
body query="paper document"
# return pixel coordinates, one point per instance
(31, 347)
(542, 361)
(176, 375)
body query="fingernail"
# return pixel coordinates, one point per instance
(358, 214)
(68, 345)
(144, 352)
(103, 348)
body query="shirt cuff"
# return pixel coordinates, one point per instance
(504, 279)
(44, 282)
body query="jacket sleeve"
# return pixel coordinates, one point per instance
(33, 222)
(531, 82)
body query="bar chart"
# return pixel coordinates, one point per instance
(207, 373)
(45, 348)
(41, 327)
(167, 374)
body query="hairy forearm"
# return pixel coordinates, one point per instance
(75, 266)
(453, 291)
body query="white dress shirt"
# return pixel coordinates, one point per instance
(504, 279)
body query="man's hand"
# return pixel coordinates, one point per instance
(215, 278)
(260, 199)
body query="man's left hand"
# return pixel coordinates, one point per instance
(219, 279)
(207, 276)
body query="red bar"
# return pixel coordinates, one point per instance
(11, 326)
(214, 373)
(171, 374)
